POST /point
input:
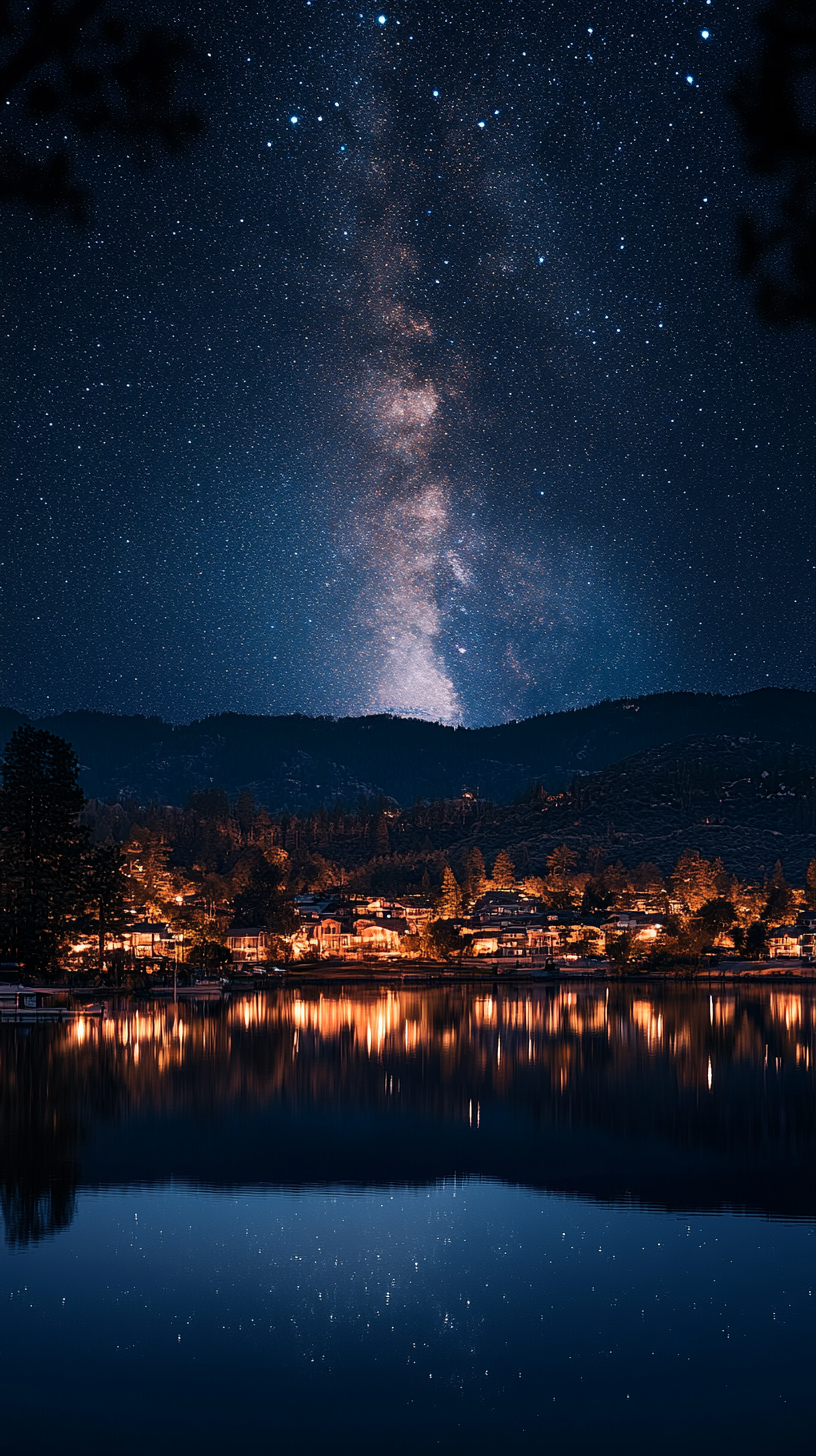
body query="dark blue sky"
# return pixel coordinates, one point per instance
(441, 398)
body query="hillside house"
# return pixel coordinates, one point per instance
(642, 925)
(146, 940)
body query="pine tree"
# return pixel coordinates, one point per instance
(245, 815)
(450, 905)
(260, 895)
(41, 847)
(694, 879)
(561, 860)
(778, 899)
(504, 871)
(756, 941)
(810, 885)
(105, 890)
(151, 881)
(475, 878)
(382, 844)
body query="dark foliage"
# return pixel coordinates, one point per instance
(775, 104)
(714, 917)
(82, 66)
(41, 847)
(298, 763)
(737, 803)
(262, 901)
(445, 940)
(756, 941)
(779, 897)
(106, 888)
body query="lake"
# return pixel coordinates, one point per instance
(551, 1218)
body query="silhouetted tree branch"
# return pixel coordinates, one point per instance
(93, 73)
(775, 104)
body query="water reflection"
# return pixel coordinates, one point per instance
(676, 1098)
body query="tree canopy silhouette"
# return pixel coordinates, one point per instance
(84, 67)
(41, 847)
(774, 102)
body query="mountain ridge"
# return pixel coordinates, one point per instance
(297, 762)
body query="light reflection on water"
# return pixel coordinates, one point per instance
(366, 1218)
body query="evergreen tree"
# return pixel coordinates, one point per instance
(475, 874)
(41, 847)
(561, 860)
(619, 951)
(260, 896)
(694, 879)
(756, 941)
(150, 880)
(647, 877)
(450, 906)
(810, 885)
(779, 898)
(105, 890)
(444, 940)
(382, 844)
(714, 917)
(504, 871)
(264, 830)
(596, 898)
(245, 814)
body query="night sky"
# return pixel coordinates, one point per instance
(423, 383)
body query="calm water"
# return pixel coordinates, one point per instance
(566, 1219)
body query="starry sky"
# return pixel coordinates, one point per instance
(424, 383)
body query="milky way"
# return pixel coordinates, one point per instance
(400, 527)
(416, 524)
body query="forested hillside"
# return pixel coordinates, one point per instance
(748, 804)
(298, 763)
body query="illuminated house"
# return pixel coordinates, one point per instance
(786, 940)
(350, 936)
(504, 924)
(638, 923)
(146, 940)
(249, 946)
(356, 927)
(500, 905)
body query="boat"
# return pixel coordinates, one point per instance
(28, 1003)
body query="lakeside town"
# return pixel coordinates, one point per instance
(505, 929)
(127, 895)
(276, 908)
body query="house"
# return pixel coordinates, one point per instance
(417, 917)
(353, 927)
(146, 939)
(501, 905)
(345, 932)
(249, 945)
(515, 935)
(807, 944)
(642, 925)
(785, 940)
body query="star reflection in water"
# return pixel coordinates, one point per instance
(668, 1096)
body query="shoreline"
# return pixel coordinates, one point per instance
(440, 974)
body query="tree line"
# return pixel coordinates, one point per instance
(71, 869)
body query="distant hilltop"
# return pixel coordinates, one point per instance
(297, 762)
